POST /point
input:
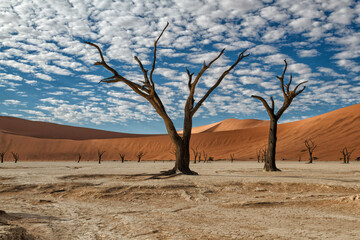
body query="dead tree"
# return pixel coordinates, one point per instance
(122, 156)
(79, 157)
(289, 95)
(232, 158)
(346, 155)
(139, 155)
(195, 152)
(199, 157)
(15, 156)
(205, 156)
(263, 154)
(100, 153)
(147, 90)
(310, 145)
(2, 156)
(258, 154)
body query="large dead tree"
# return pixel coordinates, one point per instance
(310, 146)
(289, 95)
(147, 90)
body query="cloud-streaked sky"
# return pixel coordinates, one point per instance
(47, 72)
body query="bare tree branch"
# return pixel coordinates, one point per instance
(154, 60)
(241, 56)
(266, 105)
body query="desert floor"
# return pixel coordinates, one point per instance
(114, 200)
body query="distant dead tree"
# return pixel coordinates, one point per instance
(139, 155)
(263, 154)
(146, 89)
(346, 154)
(15, 156)
(195, 152)
(2, 156)
(79, 157)
(100, 153)
(199, 157)
(232, 158)
(310, 145)
(205, 156)
(122, 156)
(258, 154)
(289, 95)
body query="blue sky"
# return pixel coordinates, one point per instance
(47, 72)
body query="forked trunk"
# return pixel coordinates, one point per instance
(270, 164)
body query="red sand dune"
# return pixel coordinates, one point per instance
(45, 141)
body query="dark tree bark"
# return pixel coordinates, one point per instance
(196, 153)
(205, 156)
(139, 155)
(100, 153)
(79, 157)
(310, 145)
(15, 156)
(232, 157)
(346, 155)
(122, 156)
(2, 155)
(289, 95)
(147, 90)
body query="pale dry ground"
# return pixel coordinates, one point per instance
(67, 200)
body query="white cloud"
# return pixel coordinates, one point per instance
(308, 53)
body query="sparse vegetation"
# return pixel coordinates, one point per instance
(288, 95)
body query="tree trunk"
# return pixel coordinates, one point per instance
(311, 157)
(270, 164)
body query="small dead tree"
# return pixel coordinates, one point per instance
(79, 157)
(122, 156)
(147, 90)
(15, 156)
(199, 157)
(258, 154)
(195, 152)
(310, 145)
(263, 154)
(289, 96)
(205, 156)
(232, 157)
(139, 155)
(100, 153)
(346, 154)
(2, 156)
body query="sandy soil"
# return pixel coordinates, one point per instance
(67, 200)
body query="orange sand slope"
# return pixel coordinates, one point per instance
(45, 141)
